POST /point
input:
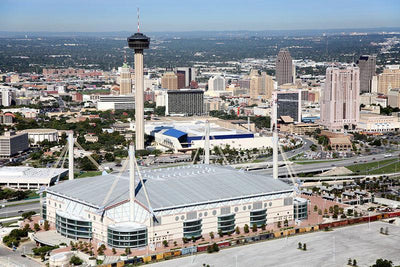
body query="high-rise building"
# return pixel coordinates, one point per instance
(12, 144)
(284, 67)
(261, 86)
(367, 65)
(340, 108)
(181, 80)
(390, 78)
(169, 81)
(289, 104)
(139, 42)
(187, 102)
(190, 75)
(125, 86)
(216, 84)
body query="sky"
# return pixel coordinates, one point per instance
(195, 15)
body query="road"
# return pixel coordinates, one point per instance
(9, 258)
(333, 248)
(14, 210)
(324, 166)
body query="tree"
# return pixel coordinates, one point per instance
(304, 246)
(237, 230)
(114, 251)
(75, 260)
(300, 245)
(46, 225)
(286, 223)
(354, 262)
(211, 235)
(127, 251)
(315, 208)
(349, 261)
(246, 229)
(36, 227)
(383, 263)
(109, 157)
(28, 215)
(165, 243)
(220, 233)
(254, 227)
(215, 247)
(279, 224)
(263, 226)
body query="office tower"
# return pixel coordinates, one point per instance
(190, 74)
(261, 86)
(187, 102)
(181, 80)
(216, 84)
(289, 104)
(284, 67)
(390, 78)
(125, 86)
(169, 81)
(340, 98)
(12, 143)
(367, 65)
(139, 42)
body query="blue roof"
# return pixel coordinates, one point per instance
(174, 133)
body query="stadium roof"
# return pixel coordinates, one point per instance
(173, 187)
(174, 133)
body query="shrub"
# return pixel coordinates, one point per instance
(42, 250)
(304, 246)
(36, 227)
(263, 227)
(211, 235)
(28, 215)
(237, 230)
(220, 233)
(46, 226)
(300, 245)
(246, 229)
(254, 227)
(165, 243)
(114, 251)
(75, 260)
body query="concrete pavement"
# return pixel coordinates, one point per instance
(333, 248)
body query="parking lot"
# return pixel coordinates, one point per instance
(361, 242)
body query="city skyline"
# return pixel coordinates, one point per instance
(26, 15)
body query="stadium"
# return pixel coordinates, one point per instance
(168, 204)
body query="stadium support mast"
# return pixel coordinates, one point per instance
(71, 156)
(207, 144)
(131, 183)
(275, 139)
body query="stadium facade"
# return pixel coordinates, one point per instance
(188, 201)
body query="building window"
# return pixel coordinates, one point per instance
(182, 217)
(192, 228)
(258, 217)
(236, 209)
(73, 228)
(226, 223)
(127, 239)
(214, 212)
(177, 218)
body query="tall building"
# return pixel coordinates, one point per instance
(261, 86)
(187, 102)
(125, 86)
(115, 102)
(390, 78)
(216, 84)
(139, 42)
(181, 80)
(289, 104)
(284, 67)
(12, 144)
(367, 65)
(190, 75)
(340, 108)
(169, 81)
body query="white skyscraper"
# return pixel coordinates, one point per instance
(216, 83)
(340, 108)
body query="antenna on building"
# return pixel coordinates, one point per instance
(124, 56)
(138, 20)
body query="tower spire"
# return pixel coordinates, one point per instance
(138, 20)
(124, 56)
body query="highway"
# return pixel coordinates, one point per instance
(12, 211)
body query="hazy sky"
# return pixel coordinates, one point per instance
(186, 15)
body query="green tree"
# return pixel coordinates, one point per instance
(46, 225)
(36, 227)
(383, 263)
(75, 261)
(237, 230)
(246, 229)
(211, 234)
(304, 246)
(254, 227)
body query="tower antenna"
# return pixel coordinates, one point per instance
(138, 20)
(124, 56)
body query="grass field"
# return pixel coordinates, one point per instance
(89, 174)
(388, 166)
